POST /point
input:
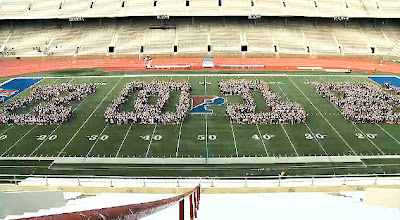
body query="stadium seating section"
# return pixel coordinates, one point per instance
(200, 36)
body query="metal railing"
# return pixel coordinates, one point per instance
(207, 182)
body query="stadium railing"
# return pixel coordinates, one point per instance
(134, 211)
(207, 182)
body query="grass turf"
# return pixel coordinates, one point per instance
(88, 135)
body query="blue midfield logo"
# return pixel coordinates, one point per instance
(200, 104)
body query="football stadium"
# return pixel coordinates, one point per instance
(182, 97)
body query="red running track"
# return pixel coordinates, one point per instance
(27, 67)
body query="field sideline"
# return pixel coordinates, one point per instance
(204, 144)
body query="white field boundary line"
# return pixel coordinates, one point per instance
(123, 141)
(16, 97)
(208, 75)
(12, 146)
(94, 144)
(340, 136)
(84, 123)
(379, 149)
(199, 160)
(262, 140)
(398, 142)
(234, 139)
(179, 140)
(55, 129)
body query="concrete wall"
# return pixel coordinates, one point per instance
(19, 202)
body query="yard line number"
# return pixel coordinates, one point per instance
(95, 137)
(3, 137)
(156, 137)
(369, 135)
(317, 136)
(265, 137)
(44, 137)
(211, 137)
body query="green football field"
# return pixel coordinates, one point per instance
(205, 144)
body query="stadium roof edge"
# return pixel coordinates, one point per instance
(250, 16)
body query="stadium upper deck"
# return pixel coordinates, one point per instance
(44, 9)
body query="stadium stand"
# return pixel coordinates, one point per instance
(187, 37)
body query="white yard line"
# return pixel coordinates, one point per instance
(18, 141)
(6, 130)
(283, 128)
(205, 115)
(290, 141)
(234, 139)
(55, 129)
(84, 123)
(179, 140)
(151, 140)
(123, 141)
(315, 138)
(262, 140)
(13, 125)
(368, 138)
(340, 136)
(358, 127)
(97, 140)
(398, 142)
(388, 133)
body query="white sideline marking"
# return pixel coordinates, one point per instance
(179, 140)
(234, 139)
(209, 75)
(262, 140)
(84, 123)
(347, 144)
(151, 140)
(97, 140)
(123, 141)
(18, 140)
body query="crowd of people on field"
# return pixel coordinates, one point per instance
(362, 102)
(145, 112)
(281, 112)
(50, 104)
